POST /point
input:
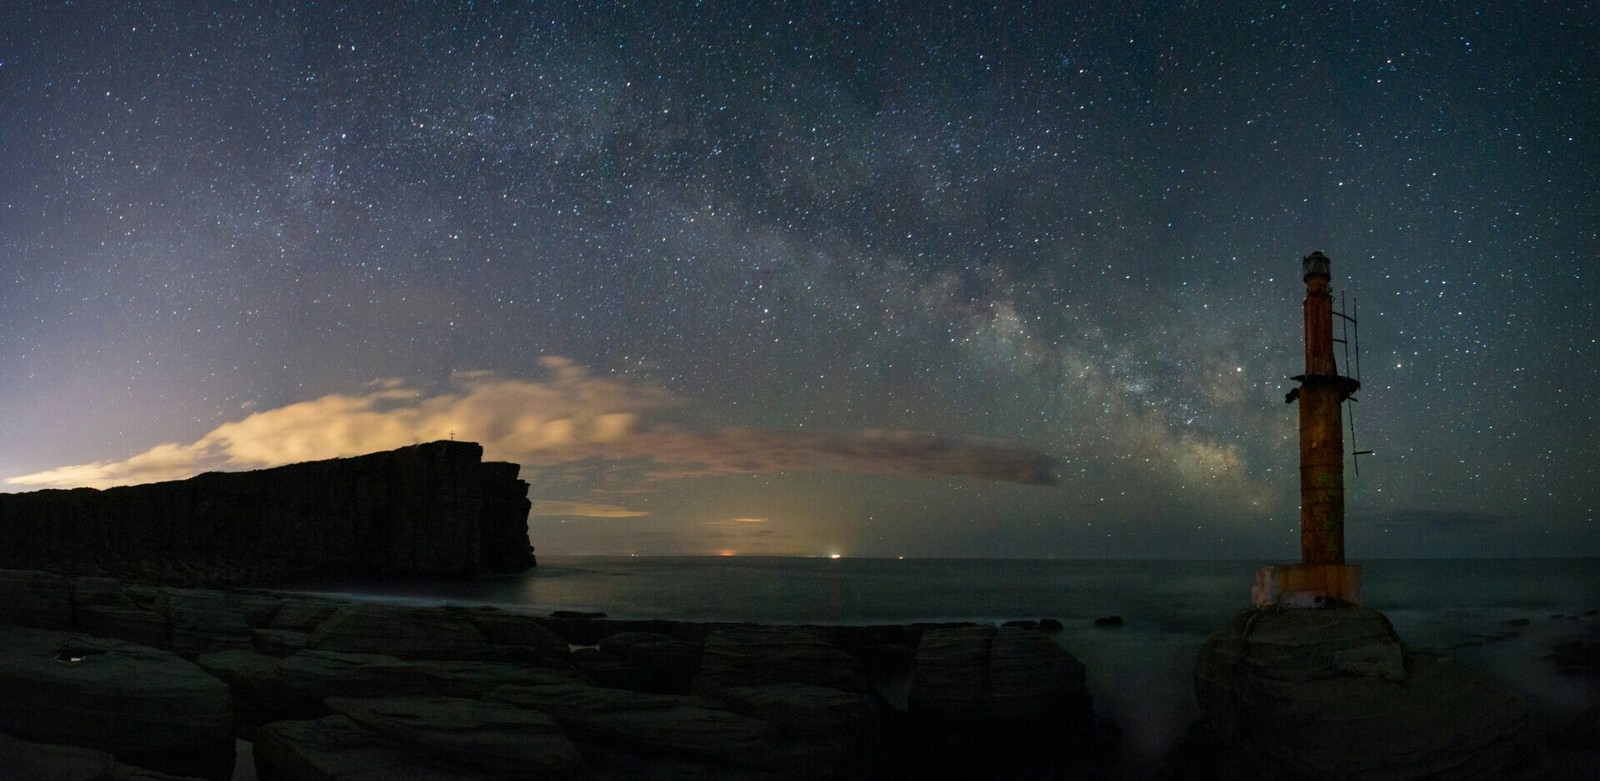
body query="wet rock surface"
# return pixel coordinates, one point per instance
(333, 748)
(745, 656)
(143, 705)
(652, 723)
(21, 760)
(38, 599)
(329, 689)
(984, 695)
(473, 734)
(1337, 693)
(1333, 694)
(413, 633)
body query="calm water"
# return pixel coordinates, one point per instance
(1140, 672)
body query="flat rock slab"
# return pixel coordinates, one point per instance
(300, 682)
(133, 624)
(747, 656)
(145, 706)
(334, 749)
(204, 621)
(475, 679)
(501, 628)
(489, 736)
(278, 642)
(303, 614)
(983, 675)
(803, 709)
(335, 674)
(94, 590)
(982, 696)
(21, 760)
(409, 633)
(658, 723)
(36, 599)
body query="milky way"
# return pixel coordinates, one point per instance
(932, 280)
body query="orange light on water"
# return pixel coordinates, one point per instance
(725, 552)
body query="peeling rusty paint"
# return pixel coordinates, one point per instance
(1321, 393)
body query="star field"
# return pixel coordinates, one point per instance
(843, 277)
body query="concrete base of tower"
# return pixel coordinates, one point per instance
(1306, 585)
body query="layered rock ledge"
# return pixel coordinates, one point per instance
(110, 677)
(1333, 694)
(434, 509)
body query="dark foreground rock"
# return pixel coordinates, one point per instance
(982, 695)
(473, 734)
(142, 705)
(327, 690)
(1333, 694)
(21, 760)
(37, 599)
(745, 656)
(333, 748)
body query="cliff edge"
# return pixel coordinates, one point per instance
(434, 509)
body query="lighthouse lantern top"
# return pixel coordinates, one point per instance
(1315, 264)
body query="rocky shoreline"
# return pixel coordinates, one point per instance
(134, 681)
(112, 680)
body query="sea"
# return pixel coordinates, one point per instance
(1501, 615)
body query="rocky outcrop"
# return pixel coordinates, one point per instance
(103, 608)
(431, 509)
(643, 661)
(203, 621)
(984, 694)
(329, 689)
(746, 656)
(20, 759)
(37, 599)
(145, 706)
(652, 723)
(1332, 694)
(415, 633)
(333, 748)
(474, 734)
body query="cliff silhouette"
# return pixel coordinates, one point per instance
(433, 509)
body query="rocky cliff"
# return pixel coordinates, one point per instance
(431, 509)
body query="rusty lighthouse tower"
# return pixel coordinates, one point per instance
(1322, 572)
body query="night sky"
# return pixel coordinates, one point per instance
(901, 279)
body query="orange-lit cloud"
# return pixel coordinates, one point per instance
(567, 415)
(554, 509)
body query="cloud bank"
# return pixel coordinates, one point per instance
(548, 508)
(567, 415)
